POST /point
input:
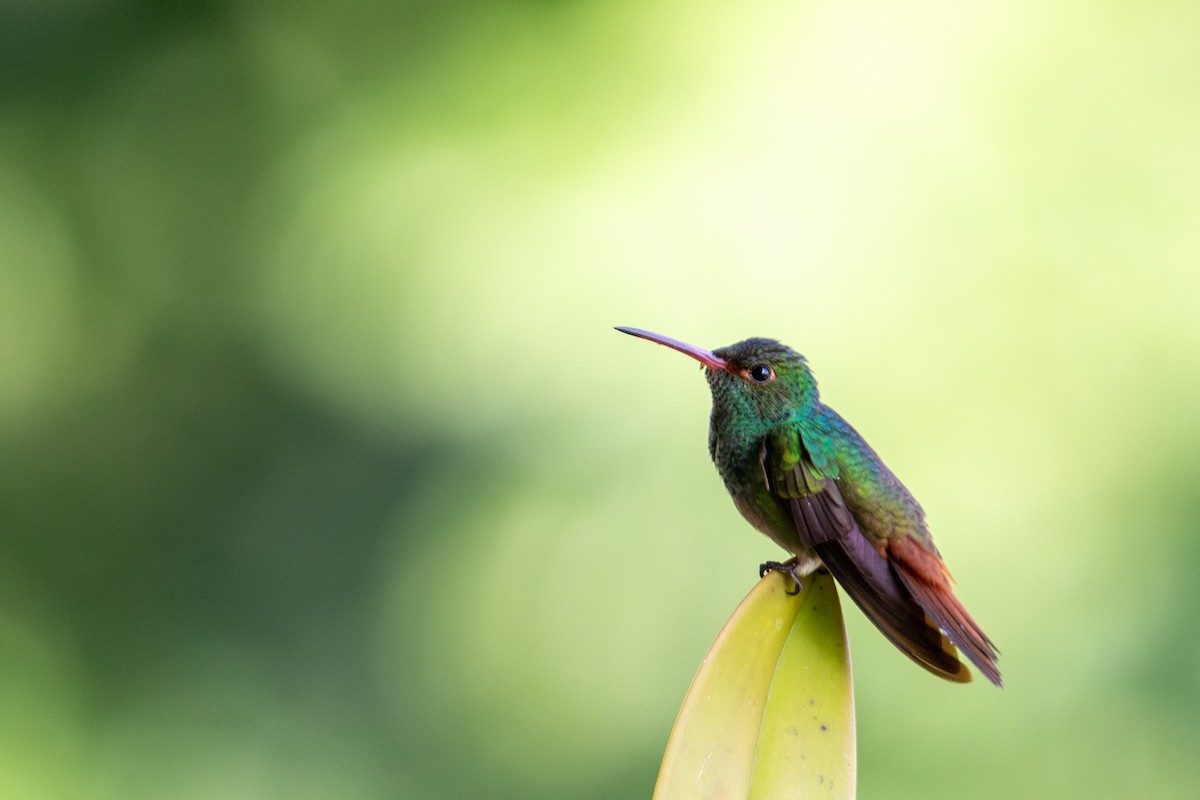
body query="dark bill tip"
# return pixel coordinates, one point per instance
(705, 357)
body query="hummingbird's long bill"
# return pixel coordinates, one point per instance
(705, 357)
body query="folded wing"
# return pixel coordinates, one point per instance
(906, 593)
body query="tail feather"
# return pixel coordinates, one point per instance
(865, 575)
(923, 574)
(895, 614)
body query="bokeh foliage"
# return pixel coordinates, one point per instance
(323, 475)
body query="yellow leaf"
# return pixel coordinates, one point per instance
(770, 713)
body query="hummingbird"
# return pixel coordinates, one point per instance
(800, 474)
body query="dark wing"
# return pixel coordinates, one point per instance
(825, 525)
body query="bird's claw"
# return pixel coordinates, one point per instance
(789, 568)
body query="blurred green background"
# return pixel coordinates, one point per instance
(322, 473)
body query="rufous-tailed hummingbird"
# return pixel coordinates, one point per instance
(803, 476)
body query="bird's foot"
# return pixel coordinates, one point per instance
(790, 568)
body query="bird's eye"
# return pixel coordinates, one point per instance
(761, 373)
